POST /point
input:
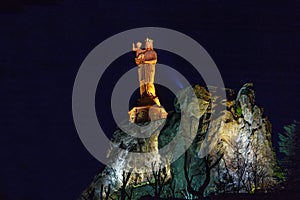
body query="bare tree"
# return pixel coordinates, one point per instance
(123, 190)
(244, 171)
(240, 165)
(104, 192)
(209, 165)
(224, 183)
(159, 179)
(173, 185)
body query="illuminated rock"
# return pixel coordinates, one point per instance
(241, 132)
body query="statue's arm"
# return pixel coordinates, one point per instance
(133, 47)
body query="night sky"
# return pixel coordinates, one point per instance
(42, 46)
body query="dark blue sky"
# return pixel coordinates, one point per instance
(43, 45)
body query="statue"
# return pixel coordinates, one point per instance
(146, 60)
(148, 107)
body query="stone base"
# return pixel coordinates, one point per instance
(147, 113)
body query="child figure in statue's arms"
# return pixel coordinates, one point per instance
(139, 53)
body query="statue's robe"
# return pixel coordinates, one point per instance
(146, 72)
(150, 59)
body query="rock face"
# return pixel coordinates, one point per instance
(245, 138)
(235, 145)
(129, 155)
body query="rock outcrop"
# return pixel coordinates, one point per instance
(235, 143)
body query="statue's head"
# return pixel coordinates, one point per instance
(148, 43)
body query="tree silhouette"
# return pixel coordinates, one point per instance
(290, 151)
(104, 192)
(209, 165)
(159, 179)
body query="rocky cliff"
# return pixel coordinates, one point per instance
(229, 153)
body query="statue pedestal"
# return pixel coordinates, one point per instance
(147, 113)
(148, 109)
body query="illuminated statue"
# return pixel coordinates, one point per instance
(146, 60)
(148, 107)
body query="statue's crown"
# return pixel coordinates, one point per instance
(148, 40)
